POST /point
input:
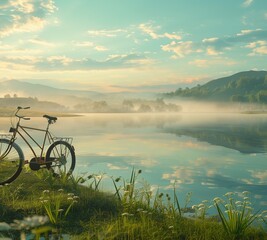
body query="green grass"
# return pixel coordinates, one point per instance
(130, 212)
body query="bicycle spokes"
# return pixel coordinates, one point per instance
(60, 157)
(11, 161)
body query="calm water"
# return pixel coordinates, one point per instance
(206, 154)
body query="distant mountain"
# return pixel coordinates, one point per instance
(64, 96)
(43, 92)
(14, 93)
(249, 86)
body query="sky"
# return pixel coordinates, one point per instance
(130, 45)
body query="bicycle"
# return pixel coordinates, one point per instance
(59, 157)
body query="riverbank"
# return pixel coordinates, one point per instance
(84, 212)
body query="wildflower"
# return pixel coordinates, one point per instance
(217, 199)
(194, 207)
(71, 194)
(46, 191)
(125, 214)
(228, 194)
(76, 198)
(60, 210)
(60, 190)
(245, 192)
(69, 198)
(29, 222)
(170, 227)
(246, 198)
(238, 202)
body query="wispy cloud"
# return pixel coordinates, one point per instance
(63, 63)
(247, 3)
(84, 44)
(215, 46)
(205, 63)
(106, 33)
(20, 16)
(150, 30)
(41, 42)
(88, 44)
(180, 49)
(258, 48)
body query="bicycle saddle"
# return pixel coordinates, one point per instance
(50, 118)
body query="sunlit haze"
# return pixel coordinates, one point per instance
(140, 45)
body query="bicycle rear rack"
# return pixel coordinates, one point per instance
(5, 135)
(66, 139)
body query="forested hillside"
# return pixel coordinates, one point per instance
(250, 86)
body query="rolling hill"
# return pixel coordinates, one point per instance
(249, 86)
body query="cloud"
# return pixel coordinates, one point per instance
(100, 48)
(215, 46)
(63, 63)
(25, 6)
(205, 63)
(41, 42)
(247, 3)
(115, 167)
(212, 52)
(24, 16)
(105, 33)
(258, 48)
(84, 44)
(92, 45)
(210, 40)
(150, 30)
(181, 175)
(260, 175)
(180, 49)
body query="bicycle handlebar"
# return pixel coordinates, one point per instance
(19, 108)
(22, 107)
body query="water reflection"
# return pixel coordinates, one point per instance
(206, 154)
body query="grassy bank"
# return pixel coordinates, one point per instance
(131, 212)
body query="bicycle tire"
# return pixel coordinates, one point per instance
(11, 163)
(60, 154)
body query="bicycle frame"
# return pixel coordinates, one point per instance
(23, 133)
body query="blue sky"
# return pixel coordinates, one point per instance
(140, 45)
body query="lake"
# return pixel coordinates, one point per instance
(207, 154)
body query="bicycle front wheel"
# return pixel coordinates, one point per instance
(11, 161)
(60, 158)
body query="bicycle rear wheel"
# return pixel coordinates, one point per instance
(60, 158)
(11, 161)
